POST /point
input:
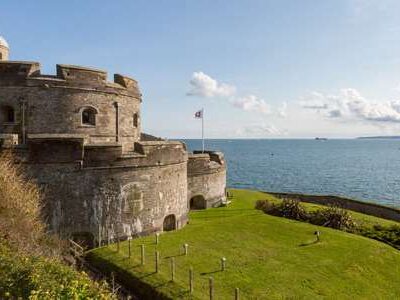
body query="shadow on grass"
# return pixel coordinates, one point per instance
(212, 272)
(146, 275)
(309, 243)
(171, 256)
(225, 215)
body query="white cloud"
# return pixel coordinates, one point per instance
(259, 131)
(252, 103)
(204, 85)
(282, 110)
(350, 104)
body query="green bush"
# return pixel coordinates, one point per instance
(288, 208)
(30, 259)
(265, 206)
(387, 234)
(32, 277)
(292, 209)
(334, 217)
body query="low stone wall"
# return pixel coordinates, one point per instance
(350, 204)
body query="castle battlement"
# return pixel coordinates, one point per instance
(26, 73)
(71, 148)
(204, 163)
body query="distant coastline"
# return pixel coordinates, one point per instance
(388, 137)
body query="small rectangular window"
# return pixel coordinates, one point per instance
(7, 114)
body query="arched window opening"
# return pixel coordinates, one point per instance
(89, 116)
(8, 114)
(135, 120)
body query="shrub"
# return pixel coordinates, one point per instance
(334, 217)
(265, 205)
(21, 224)
(30, 264)
(31, 277)
(387, 234)
(288, 208)
(292, 209)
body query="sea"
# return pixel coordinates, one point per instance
(363, 169)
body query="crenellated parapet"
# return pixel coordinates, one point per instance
(77, 100)
(205, 163)
(17, 72)
(72, 148)
(146, 154)
(24, 73)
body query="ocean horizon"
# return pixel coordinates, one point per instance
(362, 169)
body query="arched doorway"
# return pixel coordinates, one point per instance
(169, 223)
(198, 202)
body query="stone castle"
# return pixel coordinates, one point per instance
(79, 137)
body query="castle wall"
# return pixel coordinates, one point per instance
(206, 179)
(123, 200)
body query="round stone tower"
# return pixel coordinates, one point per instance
(4, 49)
(78, 136)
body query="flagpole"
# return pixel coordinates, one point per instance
(202, 127)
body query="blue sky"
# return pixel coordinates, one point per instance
(260, 69)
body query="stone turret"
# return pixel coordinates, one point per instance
(4, 49)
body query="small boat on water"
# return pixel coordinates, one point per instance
(320, 139)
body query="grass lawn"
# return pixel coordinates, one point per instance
(267, 257)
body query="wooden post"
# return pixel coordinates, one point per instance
(129, 247)
(142, 254)
(157, 238)
(113, 281)
(172, 269)
(185, 249)
(191, 280)
(117, 243)
(211, 287)
(317, 234)
(157, 261)
(223, 264)
(237, 295)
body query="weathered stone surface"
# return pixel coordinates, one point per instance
(100, 180)
(207, 179)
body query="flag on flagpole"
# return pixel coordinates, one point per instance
(199, 114)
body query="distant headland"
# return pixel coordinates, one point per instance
(380, 137)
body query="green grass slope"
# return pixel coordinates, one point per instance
(267, 258)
